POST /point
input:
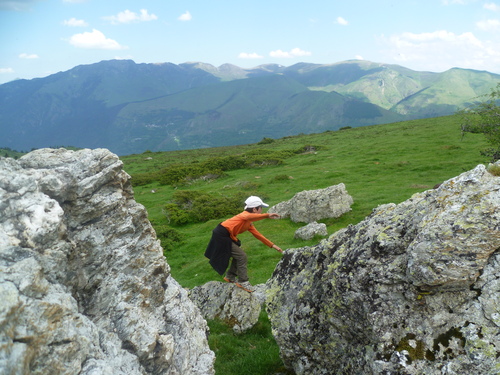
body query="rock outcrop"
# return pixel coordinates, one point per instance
(84, 287)
(238, 308)
(312, 205)
(412, 289)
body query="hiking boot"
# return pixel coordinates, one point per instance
(245, 286)
(228, 280)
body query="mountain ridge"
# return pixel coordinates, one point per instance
(130, 108)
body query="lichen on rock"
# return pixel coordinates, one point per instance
(84, 286)
(412, 289)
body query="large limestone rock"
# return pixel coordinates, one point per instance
(412, 289)
(236, 307)
(84, 287)
(312, 205)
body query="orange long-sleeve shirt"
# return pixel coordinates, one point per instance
(244, 222)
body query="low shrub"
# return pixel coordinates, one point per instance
(265, 141)
(226, 163)
(175, 215)
(189, 206)
(178, 173)
(212, 168)
(261, 158)
(169, 237)
(141, 179)
(491, 153)
(494, 169)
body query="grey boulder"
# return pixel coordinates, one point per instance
(412, 289)
(84, 286)
(312, 205)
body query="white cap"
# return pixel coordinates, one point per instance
(254, 201)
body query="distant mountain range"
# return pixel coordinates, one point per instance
(130, 108)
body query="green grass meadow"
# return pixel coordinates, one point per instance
(378, 164)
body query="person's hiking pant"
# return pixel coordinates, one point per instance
(238, 264)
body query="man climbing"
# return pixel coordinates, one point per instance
(225, 244)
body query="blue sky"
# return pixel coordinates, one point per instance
(43, 37)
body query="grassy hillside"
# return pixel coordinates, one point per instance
(395, 88)
(378, 164)
(8, 153)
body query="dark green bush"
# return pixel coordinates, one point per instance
(176, 215)
(190, 206)
(213, 207)
(185, 198)
(260, 157)
(171, 174)
(212, 168)
(225, 163)
(265, 141)
(169, 237)
(179, 173)
(140, 179)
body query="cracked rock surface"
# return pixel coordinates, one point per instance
(236, 307)
(412, 289)
(84, 286)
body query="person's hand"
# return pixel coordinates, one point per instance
(274, 216)
(277, 248)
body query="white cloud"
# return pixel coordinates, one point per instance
(94, 40)
(442, 50)
(359, 57)
(342, 21)
(73, 22)
(489, 25)
(27, 56)
(185, 16)
(296, 52)
(492, 6)
(245, 55)
(128, 17)
(6, 70)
